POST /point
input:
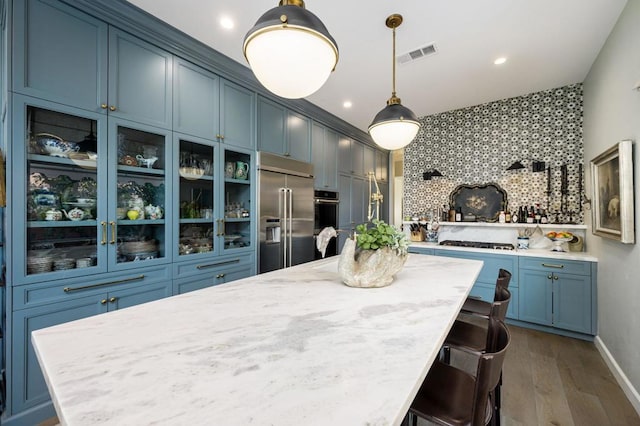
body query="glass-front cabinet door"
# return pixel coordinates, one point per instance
(196, 207)
(94, 194)
(235, 226)
(57, 168)
(138, 228)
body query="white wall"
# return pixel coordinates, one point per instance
(611, 114)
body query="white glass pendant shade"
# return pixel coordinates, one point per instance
(290, 51)
(394, 127)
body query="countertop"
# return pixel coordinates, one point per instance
(290, 347)
(531, 252)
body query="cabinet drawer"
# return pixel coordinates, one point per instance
(555, 265)
(492, 264)
(421, 250)
(187, 269)
(56, 291)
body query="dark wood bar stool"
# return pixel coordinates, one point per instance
(481, 308)
(449, 396)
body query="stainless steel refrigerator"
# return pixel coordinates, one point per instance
(286, 212)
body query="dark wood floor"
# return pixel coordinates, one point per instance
(560, 381)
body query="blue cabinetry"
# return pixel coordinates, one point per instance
(190, 276)
(89, 64)
(558, 293)
(209, 107)
(51, 303)
(324, 155)
(282, 131)
(485, 285)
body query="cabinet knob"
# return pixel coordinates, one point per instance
(549, 277)
(112, 108)
(113, 299)
(103, 106)
(220, 276)
(218, 136)
(222, 137)
(103, 302)
(286, 154)
(555, 277)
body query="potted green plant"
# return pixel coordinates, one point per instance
(377, 252)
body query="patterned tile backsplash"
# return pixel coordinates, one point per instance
(477, 145)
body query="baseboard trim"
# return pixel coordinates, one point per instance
(627, 387)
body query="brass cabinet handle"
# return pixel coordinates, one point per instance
(103, 302)
(218, 230)
(112, 108)
(113, 299)
(86, 287)
(555, 277)
(221, 227)
(551, 265)
(103, 106)
(104, 232)
(113, 232)
(549, 277)
(222, 137)
(218, 136)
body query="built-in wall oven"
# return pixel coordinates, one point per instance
(326, 214)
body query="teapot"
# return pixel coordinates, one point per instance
(74, 214)
(53, 214)
(148, 162)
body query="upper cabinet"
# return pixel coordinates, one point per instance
(207, 106)
(352, 157)
(382, 166)
(90, 64)
(282, 131)
(324, 156)
(67, 66)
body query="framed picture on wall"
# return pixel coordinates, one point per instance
(612, 173)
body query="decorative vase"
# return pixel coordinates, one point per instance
(369, 268)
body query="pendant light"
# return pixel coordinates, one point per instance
(290, 50)
(395, 126)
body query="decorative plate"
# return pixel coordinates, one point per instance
(483, 201)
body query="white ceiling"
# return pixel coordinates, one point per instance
(548, 43)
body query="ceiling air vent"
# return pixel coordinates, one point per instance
(419, 53)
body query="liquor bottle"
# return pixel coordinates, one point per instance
(459, 214)
(452, 214)
(530, 215)
(544, 218)
(502, 218)
(515, 216)
(507, 216)
(537, 215)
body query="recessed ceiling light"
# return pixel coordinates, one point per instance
(500, 61)
(227, 23)
(347, 104)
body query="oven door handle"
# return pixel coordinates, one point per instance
(327, 201)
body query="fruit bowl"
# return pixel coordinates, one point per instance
(558, 238)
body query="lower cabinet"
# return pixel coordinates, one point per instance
(560, 294)
(46, 304)
(198, 275)
(27, 383)
(421, 250)
(485, 286)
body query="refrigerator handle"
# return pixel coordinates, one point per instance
(290, 224)
(283, 205)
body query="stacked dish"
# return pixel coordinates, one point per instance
(37, 264)
(64, 263)
(139, 250)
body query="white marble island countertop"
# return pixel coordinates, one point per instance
(291, 347)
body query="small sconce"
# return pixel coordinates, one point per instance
(516, 166)
(431, 173)
(536, 166)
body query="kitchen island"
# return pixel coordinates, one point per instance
(289, 347)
